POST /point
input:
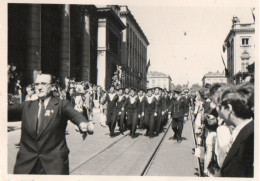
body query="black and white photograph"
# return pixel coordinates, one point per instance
(164, 89)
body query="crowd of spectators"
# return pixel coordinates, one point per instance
(223, 117)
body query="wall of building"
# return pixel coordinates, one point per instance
(78, 41)
(239, 50)
(162, 82)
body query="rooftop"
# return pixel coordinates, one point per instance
(237, 26)
(157, 74)
(214, 74)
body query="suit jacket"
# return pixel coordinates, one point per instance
(177, 108)
(49, 145)
(240, 158)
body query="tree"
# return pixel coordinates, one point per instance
(195, 87)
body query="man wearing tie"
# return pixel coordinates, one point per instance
(43, 147)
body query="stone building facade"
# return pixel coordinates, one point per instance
(134, 51)
(159, 79)
(214, 77)
(84, 42)
(240, 45)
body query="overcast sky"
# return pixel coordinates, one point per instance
(187, 58)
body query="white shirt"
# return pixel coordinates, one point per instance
(46, 101)
(222, 145)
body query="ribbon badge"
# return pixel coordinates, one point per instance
(48, 112)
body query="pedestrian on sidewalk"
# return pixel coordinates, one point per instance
(43, 147)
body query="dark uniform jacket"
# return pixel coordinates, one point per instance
(164, 103)
(159, 104)
(177, 108)
(132, 106)
(240, 158)
(150, 106)
(111, 101)
(49, 145)
(121, 103)
(141, 105)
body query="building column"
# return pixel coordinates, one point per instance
(64, 62)
(101, 57)
(85, 49)
(33, 43)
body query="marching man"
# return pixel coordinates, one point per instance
(111, 100)
(132, 112)
(149, 112)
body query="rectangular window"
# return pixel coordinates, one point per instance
(245, 41)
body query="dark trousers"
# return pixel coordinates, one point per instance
(177, 127)
(132, 118)
(141, 122)
(37, 168)
(149, 122)
(121, 120)
(158, 122)
(111, 120)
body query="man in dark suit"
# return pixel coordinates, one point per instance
(43, 148)
(237, 110)
(240, 158)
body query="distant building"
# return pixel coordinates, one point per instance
(214, 77)
(158, 79)
(133, 51)
(240, 45)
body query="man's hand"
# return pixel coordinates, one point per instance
(119, 113)
(83, 126)
(142, 114)
(155, 114)
(139, 116)
(123, 109)
(86, 127)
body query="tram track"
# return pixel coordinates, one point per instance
(150, 161)
(123, 157)
(96, 154)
